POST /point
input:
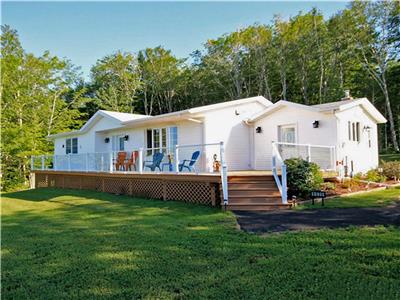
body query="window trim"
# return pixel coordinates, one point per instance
(70, 149)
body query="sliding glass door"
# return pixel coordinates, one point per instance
(161, 140)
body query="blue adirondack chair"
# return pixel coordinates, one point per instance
(189, 163)
(155, 163)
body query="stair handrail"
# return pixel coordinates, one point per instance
(277, 161)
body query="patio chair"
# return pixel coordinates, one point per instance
(120, 161)
(155, 163)
(132, 161)
(189, 163)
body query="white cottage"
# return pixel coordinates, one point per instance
(331, 134)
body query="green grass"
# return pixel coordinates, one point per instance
(369, 199)
(389, 157)
(59, 244)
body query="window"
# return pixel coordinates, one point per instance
(161, 140)
(71, 146)
(287, 134)
(354, 131)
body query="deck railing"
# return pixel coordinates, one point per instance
(210, 158)
(323, 156)
(278, 164)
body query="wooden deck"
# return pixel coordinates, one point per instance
(247, 190)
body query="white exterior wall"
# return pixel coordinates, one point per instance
(302, 119)
(227, 126)
(86, 141)
(364, 157)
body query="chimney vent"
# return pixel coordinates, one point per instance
(347, 95)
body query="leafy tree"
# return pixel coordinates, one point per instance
(117, 80)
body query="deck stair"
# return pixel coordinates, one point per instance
(254, 192)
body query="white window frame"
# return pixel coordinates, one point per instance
(280, 127)
(71, 146)
(163, 147)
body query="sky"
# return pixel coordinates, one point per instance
(84, 32)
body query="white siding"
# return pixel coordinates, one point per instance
(88, 140)
(227, 125)
(364, 157)
(302, 119)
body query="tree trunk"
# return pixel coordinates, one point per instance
(390, 117)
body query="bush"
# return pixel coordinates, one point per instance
(374, 176)
(358, 176)
(302, 177)
(350, 183)
(391, 169)
(328, 186)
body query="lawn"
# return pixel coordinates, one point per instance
(389, 157)
(59, 244)
(369, 199)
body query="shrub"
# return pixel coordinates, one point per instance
(302, 177)
(350, 183)
(328, 186)
(391, 169)
(358, 176)
(374, 176)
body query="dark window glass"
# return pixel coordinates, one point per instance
(75, 145)
(68, 146)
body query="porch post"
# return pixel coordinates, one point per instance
(69, 162)
(87, 162)
(111, 162)
(54, 162)
(32, 162)
(140, 167)
(224, 173)
(309, 152)
(176, 157)
(42, 162)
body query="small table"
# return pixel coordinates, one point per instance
(170, 167)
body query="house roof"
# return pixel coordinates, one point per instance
(118, 117)
(127, 120)
(331, 107)
(196, 111)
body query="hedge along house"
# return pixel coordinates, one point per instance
(252, 135)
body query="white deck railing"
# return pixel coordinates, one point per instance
(175, 160)
(323, 156)
(278, 164)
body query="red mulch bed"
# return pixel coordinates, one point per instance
(355, 186)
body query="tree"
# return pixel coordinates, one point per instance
(117, 80)
(378, 50)
(34, 104)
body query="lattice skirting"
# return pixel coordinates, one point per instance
(160, 187)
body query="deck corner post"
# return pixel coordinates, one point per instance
(224, 173)
(309, 152)
(176, 156)
(32, 162)
(110, 157)
(140, 167)
(42, 162)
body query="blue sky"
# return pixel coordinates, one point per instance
(86, 31)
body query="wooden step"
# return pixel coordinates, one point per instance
(253, 193)
(250, 178)
(257, 207)
(252, 185)
(260, 201)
